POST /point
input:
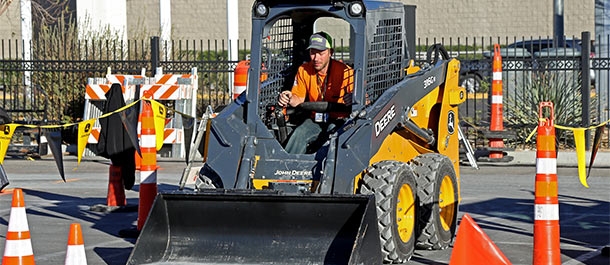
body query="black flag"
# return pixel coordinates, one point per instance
(3, 178)
(54, 141)
(114, 142)
(129, 117)
(597, 140)
(188, 125)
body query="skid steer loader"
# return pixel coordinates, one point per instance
(379, 186)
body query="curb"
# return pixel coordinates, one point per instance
(564, 159)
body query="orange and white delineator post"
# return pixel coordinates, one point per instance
(18, 247)
(496, 116)
(75, 252)
(148, 165)
(546, 203)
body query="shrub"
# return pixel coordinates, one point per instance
(562, 88)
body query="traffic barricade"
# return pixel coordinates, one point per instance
(177, 91)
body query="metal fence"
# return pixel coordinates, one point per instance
(47, 84)
(573, 74)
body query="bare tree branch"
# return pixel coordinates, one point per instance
(47, 12)
(43, 11)
(4, 5)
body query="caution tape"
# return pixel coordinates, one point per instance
(160, 114)
(105, 115)
(561, 127)
(579, 142)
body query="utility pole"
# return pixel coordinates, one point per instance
(26, 38)
(165, 26)
(558, 31)
(233, 36)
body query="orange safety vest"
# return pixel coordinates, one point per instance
(314, 87)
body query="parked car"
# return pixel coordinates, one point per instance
(474, 72)
(550, 46)
(536, 45)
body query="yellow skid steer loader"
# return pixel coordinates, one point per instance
(377, 187)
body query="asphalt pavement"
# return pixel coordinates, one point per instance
(498, 196)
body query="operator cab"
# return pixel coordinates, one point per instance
(283, 37)
(283, 49)
(284, 65)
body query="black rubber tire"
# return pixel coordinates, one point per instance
(436, 224)
(386, 179)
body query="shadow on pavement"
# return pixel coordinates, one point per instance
(583, 222)
(113, 256)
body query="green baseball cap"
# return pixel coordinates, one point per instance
(320, 41)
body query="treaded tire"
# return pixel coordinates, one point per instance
(389, 181)
(437, 217)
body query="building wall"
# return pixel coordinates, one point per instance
(191, 20)
(10, 30)
(521, 18)
(206, 19)
(10, 26)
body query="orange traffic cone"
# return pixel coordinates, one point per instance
(240, 78)
(18, 247)
(75, 254)
(116, 189)
(546, 203)
(473, 247)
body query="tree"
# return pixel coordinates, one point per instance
(4, 5)
(45, 12)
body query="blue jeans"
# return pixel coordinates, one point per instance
(302, 136)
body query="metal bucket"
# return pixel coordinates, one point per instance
(253, 227)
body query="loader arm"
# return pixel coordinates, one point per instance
(362, 136)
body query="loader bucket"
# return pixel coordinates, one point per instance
(246, 227)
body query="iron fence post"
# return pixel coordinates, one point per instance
(154, 54)
(586, 83)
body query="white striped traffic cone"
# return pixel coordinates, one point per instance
(75, 254)
(18, 247)
(148, 166)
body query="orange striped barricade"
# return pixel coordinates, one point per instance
(18, 247)
(546, 204)
(96, 90)
(496, 133)
(148, 165)
(180, 91)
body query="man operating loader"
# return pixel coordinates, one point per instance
(320, 79)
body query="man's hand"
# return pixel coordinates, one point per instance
(284, 98)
